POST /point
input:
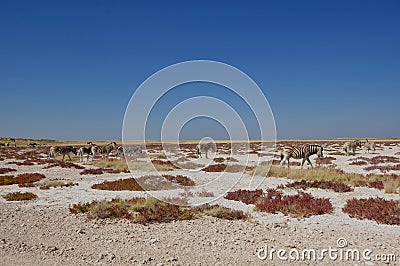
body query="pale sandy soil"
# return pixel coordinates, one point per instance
(43, 232)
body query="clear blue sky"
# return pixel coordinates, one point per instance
(328, 68)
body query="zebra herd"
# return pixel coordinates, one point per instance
(304, 152)
(94, 150)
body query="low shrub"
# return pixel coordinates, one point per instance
(21, 178)
(300, 205)
(19, 196)
(151, 210)
(215, 168)
(245, 196)
(378, 209)
(335, 186)
(7, 170)
(118, 185)
(96, 171)
(180, 179)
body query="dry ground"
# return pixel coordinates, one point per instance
(43, 231)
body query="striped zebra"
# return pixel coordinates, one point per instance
(62, 150)
(352, 146)
(129, 151)
(104, 151)
(369, 145)
(204, 148)
(88, 151)
(303, 152)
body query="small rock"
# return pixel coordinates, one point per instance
(81, 231)
(154, 240)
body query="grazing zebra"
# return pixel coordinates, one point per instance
(33, 145)
(104, 151)
(303, 152)
(13, 140)
(352, 146)
(204, 148)
(129, 151)
(65, 150)
(369, 145)
(85, 151)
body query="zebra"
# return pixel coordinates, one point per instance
(129, 151)
(204, 147)
(352, 146)
(64, 150)
(104, 151)
(369, 145)
(303, 152)
(86, 151)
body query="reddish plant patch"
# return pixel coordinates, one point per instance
(118, 185)
(383, 168)
(64, 165)
(161, 162)
(96, 171)
(7, 170)
(325, 160)
(204, 194)
(245, 196)
(219, 159)
(380, 210)
(335, 186)
(300, 205)
(358, 163)
(22, 178)
(375, 184)
(180, 179)
(19, 196)
(215, 168)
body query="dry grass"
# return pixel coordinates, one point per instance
(392, 186)
(114, 164)
(149, 167)
(53, 184)
(392, 182)
(19, 196)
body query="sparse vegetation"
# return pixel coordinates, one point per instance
(180, 179)
(7, 170)
(323, 174)
(118, 185)
(335, 186)
(19, 196)
(380, 210)
(53, 184)
(300, 205)
(151, 210)
(21, 178)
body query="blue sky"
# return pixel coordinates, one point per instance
(328, 68)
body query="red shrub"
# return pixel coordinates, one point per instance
(245, 196)
(219, 160)
(64, 165)
(19, 196)
(6, 170)
(97, 171)
(375, 184)
(180, 179)
(20, 179)
(325, 160)
(300, 205)
(335, 186)
(118, 185)
(377, 209)
(358, 163)
(215, 168)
